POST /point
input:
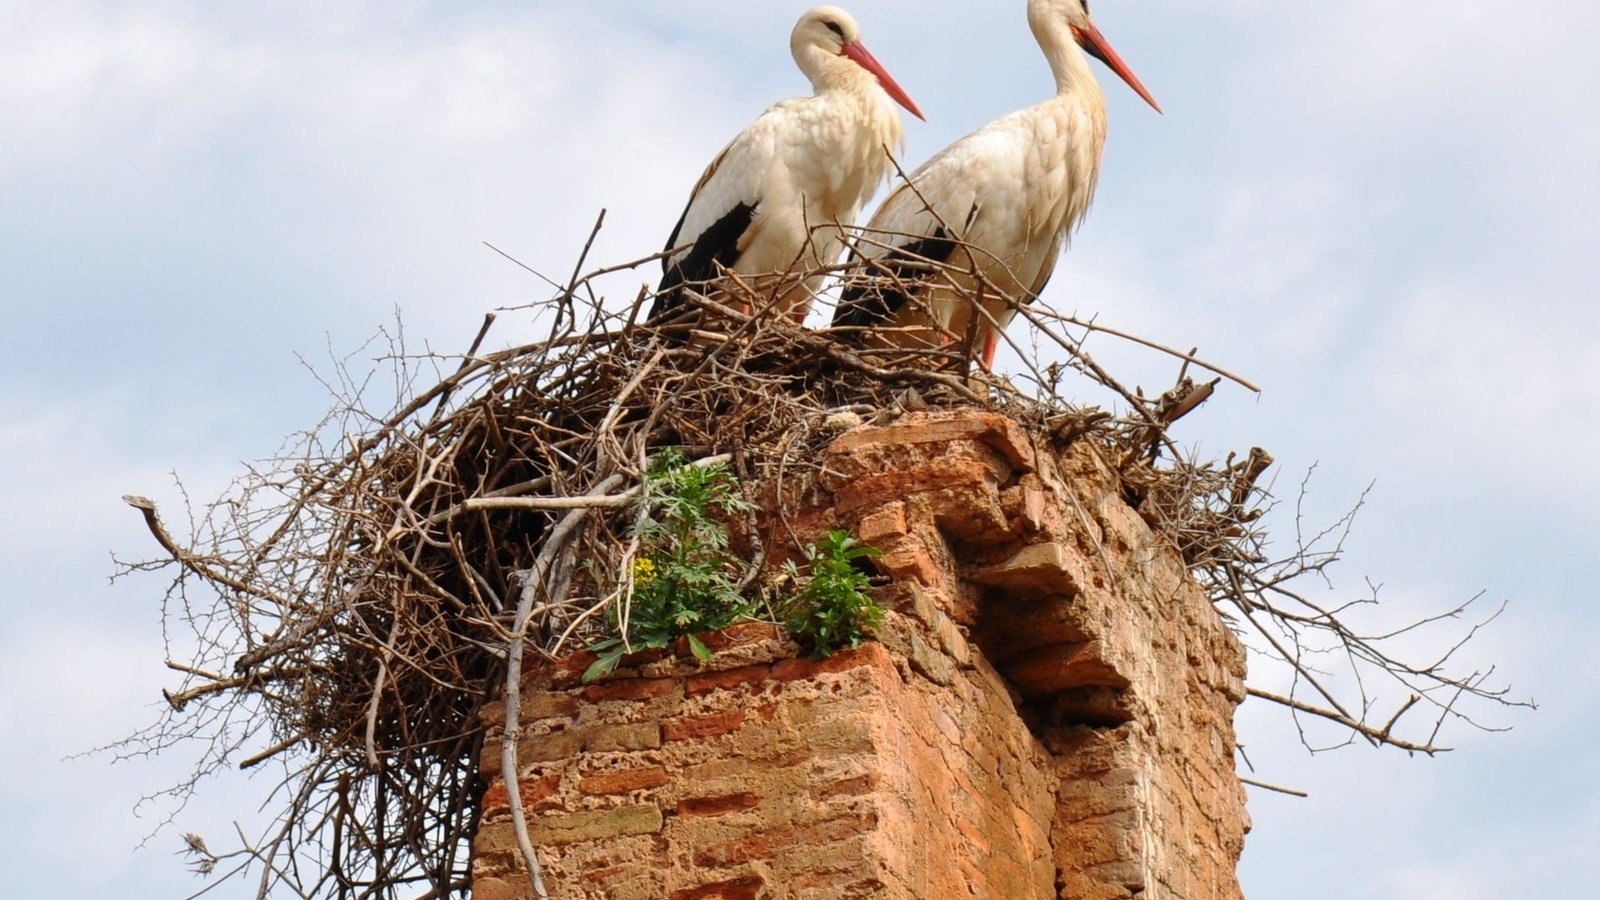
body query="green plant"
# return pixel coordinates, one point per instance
(685, 580)
(832, 610)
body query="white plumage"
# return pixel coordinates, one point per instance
(1001, 200)
(775, 199)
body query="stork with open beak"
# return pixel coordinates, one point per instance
(1000, 201)
(776, 199)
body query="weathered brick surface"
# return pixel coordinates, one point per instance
(498, 889)
(689, 728)
(625, 781)
(593, 825)
(1048, 713)
(747, 888)
(622, 737)
(744, 676)
(537, 793)
(629, 689)
(716, 806)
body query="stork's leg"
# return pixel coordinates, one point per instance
(991, 343)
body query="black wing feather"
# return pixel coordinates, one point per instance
(716, 246)
(869, 304)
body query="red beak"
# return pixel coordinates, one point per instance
(1094, 43)
(859, 55)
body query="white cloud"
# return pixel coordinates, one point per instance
(1382, 212)
(85, 683)
(1471, 358)
(391, 154)
(81, 663)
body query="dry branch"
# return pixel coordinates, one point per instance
(353, 610)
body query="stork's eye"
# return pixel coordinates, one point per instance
(834, 27)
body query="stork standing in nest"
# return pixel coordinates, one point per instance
(999, 202)
(776, 199)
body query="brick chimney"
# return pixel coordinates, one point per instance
(1049, 713)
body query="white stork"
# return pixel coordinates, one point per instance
(776, 199)
(1000, 201)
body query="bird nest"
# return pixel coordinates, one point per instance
(345, 611)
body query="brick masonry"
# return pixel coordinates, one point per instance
(1049, 713)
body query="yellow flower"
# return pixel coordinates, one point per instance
(644, 572)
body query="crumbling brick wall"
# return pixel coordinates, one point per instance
(1048, 713)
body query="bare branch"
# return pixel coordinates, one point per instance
(347, 604)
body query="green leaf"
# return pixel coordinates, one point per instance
(604, 666)
(700, 650)
(832, 608)
(683, 533)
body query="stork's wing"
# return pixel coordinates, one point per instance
(921, 222)
(1047, 269)
(896, 256)
(718, 219)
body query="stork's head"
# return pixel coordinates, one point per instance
(1075, 15)
(826, 38)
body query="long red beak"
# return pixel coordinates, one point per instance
(859, 55)
(1094, 43)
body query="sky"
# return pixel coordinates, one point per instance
(1382, 213)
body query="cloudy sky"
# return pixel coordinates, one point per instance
(1383, 213)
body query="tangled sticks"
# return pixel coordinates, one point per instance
(346, 609)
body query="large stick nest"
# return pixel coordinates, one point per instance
(348, 607)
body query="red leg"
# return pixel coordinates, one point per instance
(991, 343)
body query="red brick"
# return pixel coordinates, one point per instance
(993, 429)
(746, 888)
(883, 524)
(746, 633)
(961, 485)
(805, 667)
(625, 781)
(849, 787)
(630, 689)
(496, 799)
(726, 680)
(764, 845)
(912, 560)
(547, 705)
(1003, 812)
(716, 806)
(694, 727)
(537, 793)
(742, 635)
(498, 889)
(570, 670)
(767, 844)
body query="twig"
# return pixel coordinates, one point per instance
(353, 590)
(251, 762)
(1379, 735)
(513, 734)
(1272, 787)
